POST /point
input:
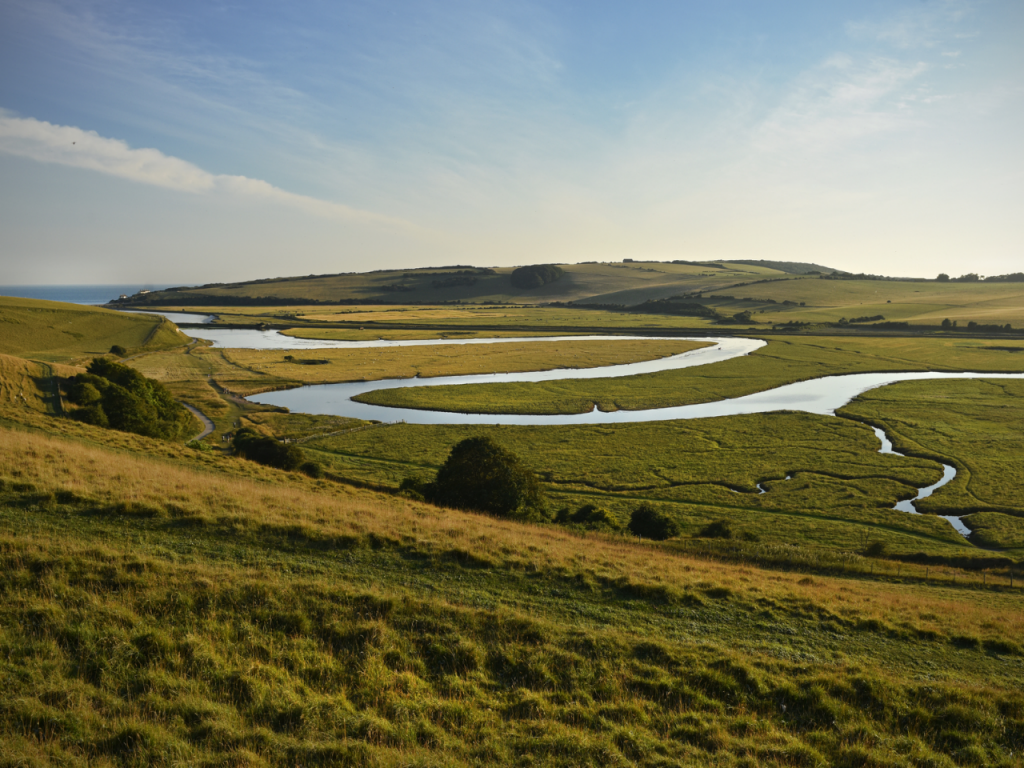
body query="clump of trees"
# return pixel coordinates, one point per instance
(481, 476)
(536, 275)
(252, 445)
(650, 523)
(113, 395)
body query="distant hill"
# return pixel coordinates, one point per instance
(628, 282)
(789, 267)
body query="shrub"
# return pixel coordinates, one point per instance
(113, 395)
(198, 445)
(482, 476)
(250, 444)
(720, 529)
(649, 523)
(589, 515)
(875, 549)
(312, 469)
(118, 350)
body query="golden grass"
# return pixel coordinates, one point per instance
(283, 501)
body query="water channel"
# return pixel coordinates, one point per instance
(822, 396)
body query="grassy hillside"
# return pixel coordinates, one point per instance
(775, 292)
(30, 385)
(618, 283)
(56, 332)
(170, 611)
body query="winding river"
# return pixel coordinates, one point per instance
(821, 396)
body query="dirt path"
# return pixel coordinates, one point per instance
(207, 424)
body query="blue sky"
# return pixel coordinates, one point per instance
(190, 142)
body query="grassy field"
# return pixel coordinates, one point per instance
(168, 606)
(919, 303)
(61, 333)
(31, 385)
(200, 375)
(782, 361)
(165, 609)
(977, 426)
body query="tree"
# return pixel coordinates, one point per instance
(118, 350)
(481, 476)
(947, 323)
(536, 275)
(943, 277)
(114, 395)
(648, 523)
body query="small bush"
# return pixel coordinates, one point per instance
(648, 523)
(875, 549)
(250, 444)
(118, 350)
(720, 529)
(198, 445)
(312, 469)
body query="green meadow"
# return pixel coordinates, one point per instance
(51, 331)
(165, 605)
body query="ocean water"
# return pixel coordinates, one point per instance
(75, 294)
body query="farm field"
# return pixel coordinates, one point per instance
(170, 605)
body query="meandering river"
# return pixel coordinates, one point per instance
(821, 396)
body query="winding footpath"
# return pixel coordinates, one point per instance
(207, 424)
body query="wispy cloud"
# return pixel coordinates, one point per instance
(78, 148)
(843, 100)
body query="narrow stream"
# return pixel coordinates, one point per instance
(948, 473)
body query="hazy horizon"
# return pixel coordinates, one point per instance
(196, 143)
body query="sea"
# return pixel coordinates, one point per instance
(76, 294)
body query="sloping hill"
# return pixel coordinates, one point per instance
(619, 283)
(56, 332)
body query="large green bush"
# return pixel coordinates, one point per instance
(648, 523)
(113, 395)
(482, 476)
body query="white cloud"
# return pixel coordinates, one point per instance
(843, 100)
(71, 146)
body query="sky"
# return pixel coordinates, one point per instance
(210, 140)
